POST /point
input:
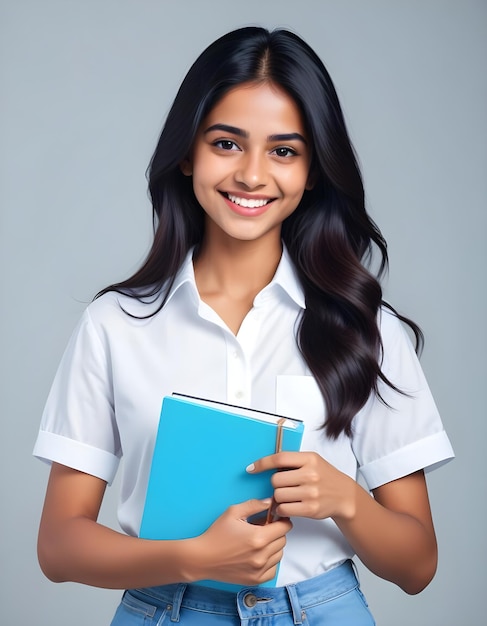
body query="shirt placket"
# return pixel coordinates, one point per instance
(239, 357)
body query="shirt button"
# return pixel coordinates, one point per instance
(236, 355)
(239, 395)
(250, 600)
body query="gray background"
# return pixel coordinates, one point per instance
(84, 90)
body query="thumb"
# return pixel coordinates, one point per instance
(246, 509)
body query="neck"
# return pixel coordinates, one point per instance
(237, 268)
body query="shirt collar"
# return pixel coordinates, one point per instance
(285, 279)
(185, 276)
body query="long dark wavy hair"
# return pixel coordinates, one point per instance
(330, 236)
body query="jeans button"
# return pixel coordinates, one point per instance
(250, 600)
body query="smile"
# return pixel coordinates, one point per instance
(248, 203)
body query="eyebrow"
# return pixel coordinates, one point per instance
(233, 130)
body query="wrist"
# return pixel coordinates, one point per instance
(191, 560)
(348, 502)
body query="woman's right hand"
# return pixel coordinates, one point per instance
(73, 546)
(236, 551)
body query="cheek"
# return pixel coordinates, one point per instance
(202, 196)
(293, 175)
(208, 172)
(294, 183)
(201, 184)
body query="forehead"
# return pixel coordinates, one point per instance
(257, 107)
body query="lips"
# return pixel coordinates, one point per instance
(246, 207)
(247, 203)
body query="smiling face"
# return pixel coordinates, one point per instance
(250, 163)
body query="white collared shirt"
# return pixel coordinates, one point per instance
(106, 398)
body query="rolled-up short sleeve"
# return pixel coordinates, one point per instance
(78, 426)
(403, 433)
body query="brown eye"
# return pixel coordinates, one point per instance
(226, 144)
(284, 152)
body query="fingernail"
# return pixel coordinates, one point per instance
(250, 468)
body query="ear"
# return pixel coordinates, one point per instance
(186, 167)
(311, 182)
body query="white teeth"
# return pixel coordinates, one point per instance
(247, 202)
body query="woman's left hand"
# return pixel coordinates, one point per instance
(392, 532)
(306, 485)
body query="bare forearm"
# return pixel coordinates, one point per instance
(84, 551)
(79, 549)
(73, 546)
(392, 544)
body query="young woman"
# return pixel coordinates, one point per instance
(255, 292)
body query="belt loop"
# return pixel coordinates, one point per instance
(176, 603)
(355, 570)
(295, 605)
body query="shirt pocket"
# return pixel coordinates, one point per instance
(299, 397)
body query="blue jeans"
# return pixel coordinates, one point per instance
(333, 598)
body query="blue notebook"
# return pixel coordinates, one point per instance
(198, 468)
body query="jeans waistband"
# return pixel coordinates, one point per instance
(254, 601)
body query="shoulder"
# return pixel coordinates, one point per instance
(107, 304)
(142, 303)
(399, 360)
(389, 323)
(392, 330)
(113, 306)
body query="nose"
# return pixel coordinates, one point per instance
(252, 170)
